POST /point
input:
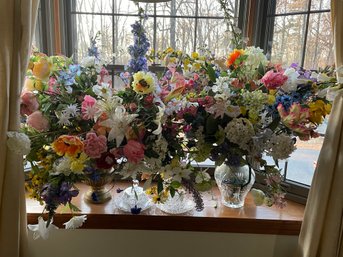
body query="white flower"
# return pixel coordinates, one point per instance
(109, 105)
(292, 81)
(72, 110)
(18, 143)
(176, 173)
(222, 86)
(202, 176)
(118, 122)
(280, 146)
(104, 90)
(157, 121)
(240, 131)
(88, 61)
(40, 229)
(75, 222)
(255, 57)
(63, 118)
(61, 166)
(258, 196)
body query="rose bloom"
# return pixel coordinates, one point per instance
(95, 145)
(67, 145)
(273, 80)
(37, 121)
(29, 103)
(134, 151)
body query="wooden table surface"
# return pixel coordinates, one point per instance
(214, 218)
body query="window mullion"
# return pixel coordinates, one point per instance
(306, 32)
(196, 25)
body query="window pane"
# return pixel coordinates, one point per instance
(212, 34)
(87, 26)
(176, 7)
(289, 6)
(129, 7)
(319, 47)
(103, 6)
(302, 163)
(212, 8)
(175, 32)
(320, 4)
(288, 39)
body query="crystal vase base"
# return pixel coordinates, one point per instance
(232, 197)
(98, 195)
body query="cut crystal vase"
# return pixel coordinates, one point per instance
(234, 183)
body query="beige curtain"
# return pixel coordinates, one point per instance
(17, 22)
(322, 229)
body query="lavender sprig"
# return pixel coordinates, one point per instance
(189, 185)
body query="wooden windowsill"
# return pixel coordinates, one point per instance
(249, 219)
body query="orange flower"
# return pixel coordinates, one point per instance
(233, 56)
(67, 145)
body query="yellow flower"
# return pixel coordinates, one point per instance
(195, 55)
(196, 66)
(34, 84)
(143, 82)
(318, 110)
(271, 99)
(169, 50)
(41, 69)
(78, 164)
(179, 53)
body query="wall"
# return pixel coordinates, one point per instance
(135, 243)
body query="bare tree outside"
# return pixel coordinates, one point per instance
(290, 29)
(185, 25)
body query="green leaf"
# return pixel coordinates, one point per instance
(73, 207)
(172, 191)
(261, 70)
(175, 184)
(211, 73)
(159, 185)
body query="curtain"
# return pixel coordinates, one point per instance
(322, 229)
(17, 22)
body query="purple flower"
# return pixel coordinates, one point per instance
(138, 50)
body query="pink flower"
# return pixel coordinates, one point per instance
(37, 121)
(134, 151)
(88, 108)
(297, 119)
(95, 145)
(53, 86)
(273, 80)
(29, 103)
(104, 75)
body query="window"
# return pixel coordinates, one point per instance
(182, 24)
(300, 32)
(288, 30)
